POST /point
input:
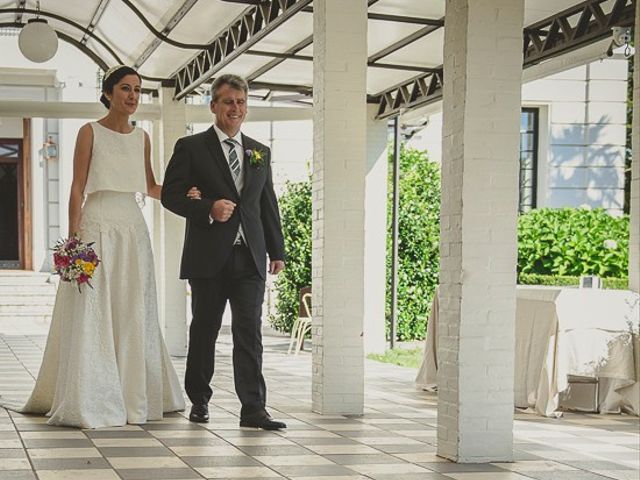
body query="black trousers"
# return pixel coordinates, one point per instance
(240, 284)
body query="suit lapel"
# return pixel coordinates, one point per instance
(213, 143)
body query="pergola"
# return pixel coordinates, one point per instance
(358, 63)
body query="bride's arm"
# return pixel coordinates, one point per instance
(153, 189)
(81, 161)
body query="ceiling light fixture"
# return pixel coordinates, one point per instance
(37, 41)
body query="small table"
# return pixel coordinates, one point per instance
(561, 332)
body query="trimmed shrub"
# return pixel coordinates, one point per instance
(555, 246)
(609, 283)
(573, 242)
(418, 242)
(295, 209)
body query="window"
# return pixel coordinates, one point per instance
(528, 159)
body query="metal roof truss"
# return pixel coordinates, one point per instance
(253, 25)
(563, 32)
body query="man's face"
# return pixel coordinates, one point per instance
(230, 109)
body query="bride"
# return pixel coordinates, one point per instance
(105, 363)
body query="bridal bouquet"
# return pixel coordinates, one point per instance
(75, 261)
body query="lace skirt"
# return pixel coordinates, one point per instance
(105, 362)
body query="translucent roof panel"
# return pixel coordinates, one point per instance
(196, 23)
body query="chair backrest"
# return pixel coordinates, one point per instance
(304, 306)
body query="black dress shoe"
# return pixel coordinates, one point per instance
(261, 420)
(199, 413)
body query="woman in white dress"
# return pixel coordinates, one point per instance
(105, 363)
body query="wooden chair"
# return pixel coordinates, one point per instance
(302, 324)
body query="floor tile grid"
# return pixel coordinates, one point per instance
(431, 422)
(55, 456)
(384, 421)
(225, 384)
(348, 429)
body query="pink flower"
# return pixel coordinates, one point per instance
(61, 261)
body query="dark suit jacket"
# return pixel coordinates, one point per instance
(198, 160)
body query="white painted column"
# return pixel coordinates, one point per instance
(634, 207)
(340, 157)
(169, 231)
(482, 84)
(375, 232)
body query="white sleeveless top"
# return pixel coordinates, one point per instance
(117, 161)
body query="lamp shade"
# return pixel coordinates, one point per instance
(38, 42)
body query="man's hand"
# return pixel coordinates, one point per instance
(276, 266)
(221, 210)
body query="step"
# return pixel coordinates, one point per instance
(27, 299)
(25, 325)
(22, 277)
(41, 289)
(30, 310)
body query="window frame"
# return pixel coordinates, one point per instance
(535, 132)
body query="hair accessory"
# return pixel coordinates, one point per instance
(111, 70)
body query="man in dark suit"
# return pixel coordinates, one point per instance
(229, 232)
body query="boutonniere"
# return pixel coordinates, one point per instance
(256, 157)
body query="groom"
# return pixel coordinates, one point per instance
(228, 235)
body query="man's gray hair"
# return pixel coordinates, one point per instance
(234, 81)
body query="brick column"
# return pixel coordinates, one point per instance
(169, 231)
(634, 207)
(375, 230)
(481, 111)
(340, 153)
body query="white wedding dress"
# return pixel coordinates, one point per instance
(105, 363)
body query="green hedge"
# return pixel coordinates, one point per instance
(418, 245)
(295, 209)
(573, 242)
(555, 247)
(568, 281)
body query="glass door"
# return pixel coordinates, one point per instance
(10, 205)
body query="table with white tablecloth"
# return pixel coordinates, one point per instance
(563, 333)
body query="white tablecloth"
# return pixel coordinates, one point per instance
(561, 332)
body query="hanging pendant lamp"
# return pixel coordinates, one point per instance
(37, 41)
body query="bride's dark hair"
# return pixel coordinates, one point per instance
(111, 78)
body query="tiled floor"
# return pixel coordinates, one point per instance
(394, 440)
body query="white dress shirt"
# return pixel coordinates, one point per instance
(237, 140)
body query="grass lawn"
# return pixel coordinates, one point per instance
(400, 356)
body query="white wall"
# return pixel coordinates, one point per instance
(582, 135)
(69, 76)
(10, 127)
(429, 138)
(586, 135)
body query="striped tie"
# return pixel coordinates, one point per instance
(234, 162)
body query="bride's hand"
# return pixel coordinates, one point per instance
(194, 193)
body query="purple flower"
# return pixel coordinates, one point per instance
(256, 157)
